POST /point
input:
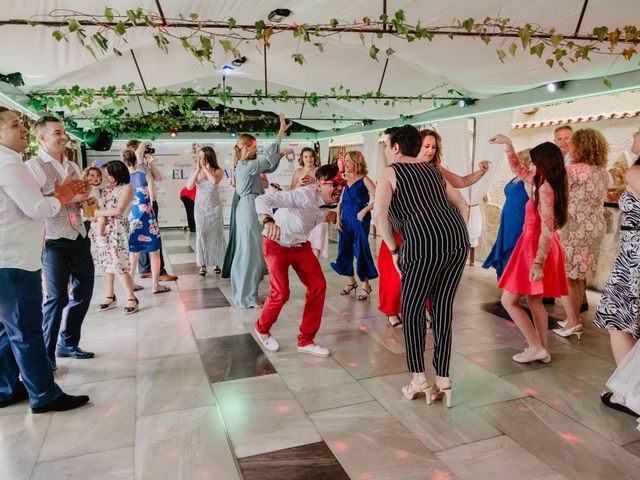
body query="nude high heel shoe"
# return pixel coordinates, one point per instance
(413, 390)
(439, 393)
(578, 330)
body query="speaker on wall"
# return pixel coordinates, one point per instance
(99, 140)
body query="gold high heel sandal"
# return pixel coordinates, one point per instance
(413, 390)
(436, 394)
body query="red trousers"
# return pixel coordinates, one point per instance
(389, 289)
(306, 265)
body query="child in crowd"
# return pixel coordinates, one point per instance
(94, 176)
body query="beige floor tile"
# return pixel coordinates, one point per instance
(211, 323)
(581, 365)
(361, 355)
(115, 358)
(318, 383)
(172, 383)
(158, 339)
(109, 465)
(107, 423)
(191, 282)
(436, 426)
(182, 258)
(21, 436)
(498, 457)
(496, 358)
(578, 401)
(261, 415)
(109, 324)
(184, 445)
(369, 443)
(562, 443)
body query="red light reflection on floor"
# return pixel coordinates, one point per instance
(478, 359)
(523, 408)
(440, 475)
(576, 391)
(571, 438)
(532, 392)
(282, 409)
(352, 364)
(341, 446)
(401, 454)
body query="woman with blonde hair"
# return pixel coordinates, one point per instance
(585, 227)
(354, 223)
(247, 269)
(305, 175)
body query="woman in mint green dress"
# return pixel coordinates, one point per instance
(248, 263)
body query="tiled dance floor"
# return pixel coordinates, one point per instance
(183, 390)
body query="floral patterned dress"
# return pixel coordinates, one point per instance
(143, 224)
(114, 257)
(582, 234)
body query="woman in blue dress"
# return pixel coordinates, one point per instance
(354, 223)
(511, 220)
(144, 230)
(248, 265)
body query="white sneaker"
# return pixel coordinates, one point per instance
(315, 349)
(270, 343)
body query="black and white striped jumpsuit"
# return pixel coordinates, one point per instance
(432, 258)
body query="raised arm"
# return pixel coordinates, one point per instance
(193, 178)
(516, 167)
(547, 217)
(461, 182)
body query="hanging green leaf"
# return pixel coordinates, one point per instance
(607, 82)
(231, 22)
(468, 24)
(108, 12)
(298, 58)
(501, 55)
(373, 52)
(226, 45)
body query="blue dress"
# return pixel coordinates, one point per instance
(511, 222)
(354, 236)
(143, 225)
(248, 265)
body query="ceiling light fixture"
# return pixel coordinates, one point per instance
(278, 14)
(14, 79)
(237, 62)
(466, 102)
(555, 86)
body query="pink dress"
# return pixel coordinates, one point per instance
(539, 242)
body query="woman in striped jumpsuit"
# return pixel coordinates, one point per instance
(430, 216)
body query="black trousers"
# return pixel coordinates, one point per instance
(189, 206)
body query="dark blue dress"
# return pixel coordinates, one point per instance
(143, 225)
(354, 236)
(511, 221)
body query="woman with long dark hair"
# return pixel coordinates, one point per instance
(210, 246)
(536, 267)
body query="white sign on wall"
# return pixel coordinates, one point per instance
(176, 159)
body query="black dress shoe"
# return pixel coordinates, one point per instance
(73, 352)
(19, 394)
(63, 403)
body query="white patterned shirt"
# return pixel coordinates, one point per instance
(298, 212)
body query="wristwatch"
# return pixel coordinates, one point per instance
(267, 219)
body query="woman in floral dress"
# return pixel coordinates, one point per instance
(143, 225)
(582, 235)
(111, 257)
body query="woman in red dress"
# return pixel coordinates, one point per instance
(389, 295)
(536, 268)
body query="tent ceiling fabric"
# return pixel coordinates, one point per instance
(463, 64)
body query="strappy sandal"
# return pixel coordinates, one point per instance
(397, 323)
(162, 289)
(348, 289)
(203, 271)
(107, 306)
(129, 310)
(217, 270)
(365, 295)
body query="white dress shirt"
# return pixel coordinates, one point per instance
(298, 212)
(64, 169)
(22, 210)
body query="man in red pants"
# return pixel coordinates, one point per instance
(285, 244)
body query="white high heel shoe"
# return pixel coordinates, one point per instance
(578, 330)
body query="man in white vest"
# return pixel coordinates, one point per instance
(25, 372)
(66, 259)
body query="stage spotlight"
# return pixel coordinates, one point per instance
(14, 79)
(278, 14)
(555, 86)
(233, 134)
(237, 62)
(466, 102)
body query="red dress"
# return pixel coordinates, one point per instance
(539, 242)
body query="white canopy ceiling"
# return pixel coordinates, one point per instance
(464, 64)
